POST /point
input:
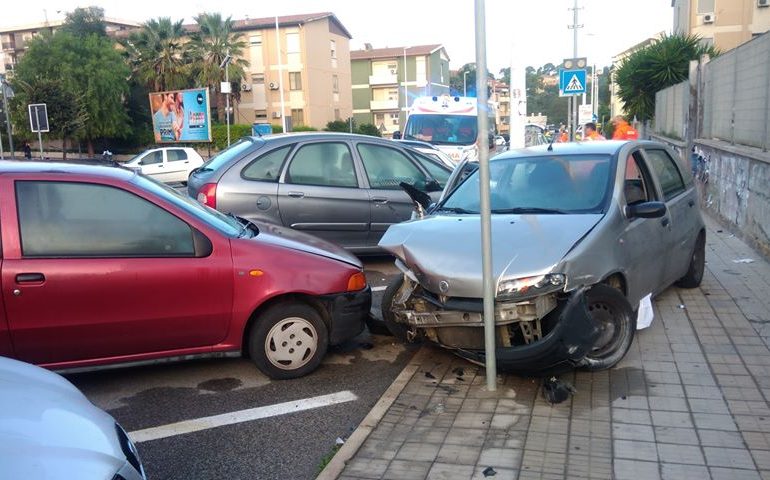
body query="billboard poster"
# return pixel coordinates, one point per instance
(181, 116)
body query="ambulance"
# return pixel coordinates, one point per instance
(449, 123)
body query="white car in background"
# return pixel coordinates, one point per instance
(167, 164)
(49, 430)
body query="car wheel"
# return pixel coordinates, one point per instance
(289, 341)
(399, 330)
(694, 273)
(616, 321)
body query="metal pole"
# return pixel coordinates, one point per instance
(406, 90)
(39, 135)
(3, 87)
(2, 154)
(227, 99)
(486, 214)
(280, 73)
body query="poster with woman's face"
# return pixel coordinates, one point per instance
(181, 116)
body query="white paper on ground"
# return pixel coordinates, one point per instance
(644, 315)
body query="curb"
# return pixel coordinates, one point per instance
(334, 468)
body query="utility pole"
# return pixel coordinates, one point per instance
(573, 101)
(280, 73)
(6, 93)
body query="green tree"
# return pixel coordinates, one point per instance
(338, 126)
(83, 22)
(369, 129)
(214, 40)
(85, 67)
(158, 55)
(661, 64)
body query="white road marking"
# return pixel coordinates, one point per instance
(379, 289)
(205, 423)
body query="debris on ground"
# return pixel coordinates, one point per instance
(681, 306)
(339, 441)
(430, 375)
(743, 260)
(447, 389)
(489, 472)
(556, 390)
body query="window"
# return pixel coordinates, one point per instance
(335, 84)
(705, 6)
(637, 186)
(387, 167)
(670, 178)
(295, 81)
(260, 113)
(267, 167)
(297, 116)
(256, 40)
(153, 158)
(438, 173)
(68, 219)
(333, 46)
(379, 118)
(292, 43)
(337, 114)
(258, 78)
(176, 155)
(326, 164)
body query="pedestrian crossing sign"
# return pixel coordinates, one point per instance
(572, 82)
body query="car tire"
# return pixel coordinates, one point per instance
(376, 326)
(398, 330)
(615, 318)
(289, 341)
(694, 274)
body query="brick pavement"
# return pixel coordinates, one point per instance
(690, 400)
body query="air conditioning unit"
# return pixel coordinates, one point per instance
(763, 3)
(708, 18)
(276, 114)
(246, 87)
(272, 86)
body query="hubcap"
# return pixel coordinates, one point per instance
(604, 317)
(291, 343)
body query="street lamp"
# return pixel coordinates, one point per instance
(465, 88)
(226, 89)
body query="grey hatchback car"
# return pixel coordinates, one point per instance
(341, 187)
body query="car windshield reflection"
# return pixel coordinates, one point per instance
(556, 184)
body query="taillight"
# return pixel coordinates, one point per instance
(207, 195)
(357, 281)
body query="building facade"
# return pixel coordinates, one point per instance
(616, 104)
(385, 79)
(14, 40)
(722, 23)
(307, 60)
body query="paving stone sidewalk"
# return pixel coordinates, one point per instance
(690, 400)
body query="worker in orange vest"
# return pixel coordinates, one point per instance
(591, 133)
(563, 136)
(623, 131)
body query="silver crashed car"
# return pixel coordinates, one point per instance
(49, 430)
(581, 234)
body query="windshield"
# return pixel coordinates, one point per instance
(442, 129)
(555, 184)
(228, 154)
(228, 225)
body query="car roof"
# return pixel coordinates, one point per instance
(281, 137)
(104, 170)
(608, 147)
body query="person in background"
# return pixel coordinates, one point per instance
(27, 151)
(623, 131)
(590, 132)
(563, 135)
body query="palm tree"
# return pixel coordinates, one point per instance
(663, 63)
(159, 56)
(209, 46)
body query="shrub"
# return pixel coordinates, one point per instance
(219, 134)
(303, 128)
(368, 129)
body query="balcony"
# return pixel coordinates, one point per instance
(383, 105)
(8, 46)
(383, 79)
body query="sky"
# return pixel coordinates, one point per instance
(534, 30)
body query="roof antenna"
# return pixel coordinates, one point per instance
(550, 145)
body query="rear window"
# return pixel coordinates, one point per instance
(233, 151)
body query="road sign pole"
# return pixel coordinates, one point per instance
(39, 135)
(3, 87)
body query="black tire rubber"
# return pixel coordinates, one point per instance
(271, 317)
(606, 304)
(398, 330)
(694, 274)
(376, 326)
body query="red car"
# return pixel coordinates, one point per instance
(101, 265)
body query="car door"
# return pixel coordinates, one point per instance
(643, 241)
(176, 165)
(152, 164)
(100, 271)
(320, 194)
(681, 204)
(386, 167)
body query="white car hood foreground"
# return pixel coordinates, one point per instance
(49, 430)
(447, 248)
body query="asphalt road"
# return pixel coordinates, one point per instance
(290, 445)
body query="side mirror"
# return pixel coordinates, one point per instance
(646, 210)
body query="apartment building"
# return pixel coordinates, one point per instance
(386, 79)
(14, 39)
(307, 59)
(616, 104)
(722, 23)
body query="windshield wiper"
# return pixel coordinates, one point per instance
(455, 210)
(524, 210)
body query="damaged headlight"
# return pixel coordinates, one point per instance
(528, 287)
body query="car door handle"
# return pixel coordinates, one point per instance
(380, 200)
(665, 222)
(296, 194)
(30, 278)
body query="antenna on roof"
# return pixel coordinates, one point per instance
(550, 145)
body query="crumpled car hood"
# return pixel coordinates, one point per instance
(448, 248)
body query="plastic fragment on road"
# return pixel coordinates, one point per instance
(339, 441)
(644, 314)
(743, 260)
(681, 306)
(489, 472)
(556, 390)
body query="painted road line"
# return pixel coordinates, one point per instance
(205, 423)
(380, 288)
